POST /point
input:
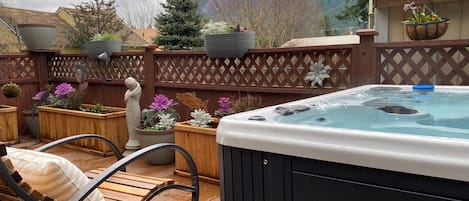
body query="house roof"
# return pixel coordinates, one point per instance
(22, 16)
(133, 40)
(148, 33)
(63, 21)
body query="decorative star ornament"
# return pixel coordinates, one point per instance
(317, 73)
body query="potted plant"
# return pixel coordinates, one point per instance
(11, 90)
(224, 41)
(424, 24)
(102, 46)
(37, 36)
(96, 29)
(67, 116)
(157, 127)
(8, 124)
(31, 115)
(198, 136)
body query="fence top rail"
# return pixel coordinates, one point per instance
(261, 51)
(114, 54)
(432, 43)
(14, 55)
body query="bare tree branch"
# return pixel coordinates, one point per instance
(274, 21)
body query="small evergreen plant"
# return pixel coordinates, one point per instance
(179, 26)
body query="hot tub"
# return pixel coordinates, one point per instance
(374, 142)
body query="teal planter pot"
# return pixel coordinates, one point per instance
(229, 45)
(37, 36)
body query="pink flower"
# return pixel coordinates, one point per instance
(160, 103)
(38, 96)
(62, 90)
(225, 105)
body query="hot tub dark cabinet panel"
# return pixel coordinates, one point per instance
(248, 175)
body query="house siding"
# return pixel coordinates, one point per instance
(454, 10)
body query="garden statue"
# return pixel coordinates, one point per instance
(133, 116)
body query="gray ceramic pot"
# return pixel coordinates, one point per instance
(148, 138)
(94, 48)
(37, 36)
(229, 45)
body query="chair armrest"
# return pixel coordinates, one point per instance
(66, 140)
(99, 179)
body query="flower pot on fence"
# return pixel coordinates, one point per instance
(57, 123)
(32, 122)
(229, 45)
(95, 48)
(9, 124)
(37, 36)
(148, 138)
(427, 31)
(201, 144)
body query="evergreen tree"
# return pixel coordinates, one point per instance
(179, 26)
(328, 30)
(358, 10)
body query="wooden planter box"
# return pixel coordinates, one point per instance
(9, 124)
(57, 123)
(201, 144)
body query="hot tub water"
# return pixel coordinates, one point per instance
(392, 110)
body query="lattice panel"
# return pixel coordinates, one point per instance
(18, 67)
(276, 69)
(414, 65)
(118, 68)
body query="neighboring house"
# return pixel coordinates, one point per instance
(9, 41)
(388, 17)
(148, 34)
(63, 21)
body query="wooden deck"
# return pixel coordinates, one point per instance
(86, 162)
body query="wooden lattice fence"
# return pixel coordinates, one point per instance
(435, 62)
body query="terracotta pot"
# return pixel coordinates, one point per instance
(427, 31)
(148, 138)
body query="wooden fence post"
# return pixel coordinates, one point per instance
(149, 75)
(41, 65)
(367, 69)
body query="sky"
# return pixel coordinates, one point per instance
(41, 5)
(141, 12)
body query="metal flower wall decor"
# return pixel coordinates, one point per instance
(317, 73)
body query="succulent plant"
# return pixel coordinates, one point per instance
(11, 90)
(200, 118)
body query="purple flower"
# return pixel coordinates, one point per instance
(38, 96)
(225, 105)
(62, 90)
(410, 6)
(161, 102)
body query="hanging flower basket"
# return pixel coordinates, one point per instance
(427, 30)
